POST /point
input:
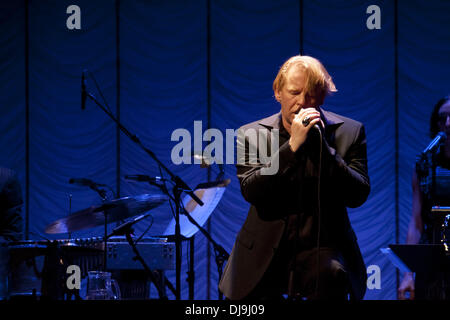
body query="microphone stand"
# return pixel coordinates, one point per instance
(179, 188)
(426, 168)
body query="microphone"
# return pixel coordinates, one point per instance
(205, 162)
(85, 182)
(440, 137)
(83, 90)
(142, 177)
(315, 130)
(124, 227)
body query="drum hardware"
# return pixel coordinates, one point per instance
(158, 253)
(49, 275)
(97, 187)
(38, 268)
(26, 263)
(126, 229)
(115, 210)
(119, 254)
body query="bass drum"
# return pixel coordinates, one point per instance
(4, 271)
(26, 263)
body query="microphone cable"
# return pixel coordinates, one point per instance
(319, 213)
(145, 232)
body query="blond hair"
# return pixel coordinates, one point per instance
(319, 82)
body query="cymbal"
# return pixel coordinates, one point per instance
(115, 210)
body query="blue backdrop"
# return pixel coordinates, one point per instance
(161, 65)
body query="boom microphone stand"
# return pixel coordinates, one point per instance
(126, 229)
(178, 189)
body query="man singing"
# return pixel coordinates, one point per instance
(297, 238)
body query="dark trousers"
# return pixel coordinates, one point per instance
(312, 277)
(432, 286)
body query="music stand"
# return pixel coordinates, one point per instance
(210, 197)
(193, 220)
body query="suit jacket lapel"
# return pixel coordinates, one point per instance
(272, 122)
(332, 122)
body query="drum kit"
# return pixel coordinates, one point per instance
(37, 268)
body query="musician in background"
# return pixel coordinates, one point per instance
(420, 230)
(11, 221)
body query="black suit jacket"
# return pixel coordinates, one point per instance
(344, 183)
(11, 221)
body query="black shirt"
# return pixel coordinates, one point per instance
(301, 230)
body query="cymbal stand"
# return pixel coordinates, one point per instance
(102, 194)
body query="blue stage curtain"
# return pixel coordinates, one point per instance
(163, 88)
(12, 90)
(423, 69)
(361, 62)
(66, 142)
